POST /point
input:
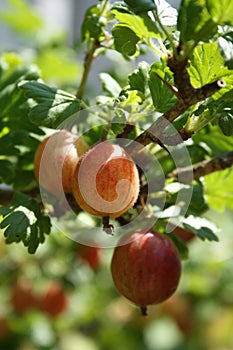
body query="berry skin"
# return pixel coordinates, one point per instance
(55, 160)
(106, 181)
(146, 268)
(91, 255)
(54, 301)
(22, 297)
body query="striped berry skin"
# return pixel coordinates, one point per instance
(106, 181)
(146, 268)
(55, 160)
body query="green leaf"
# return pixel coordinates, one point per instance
(203, 232)
(125, 40)
(53, 105)
(118, 121)
(10, 96)
(24, 221)
(214, 140)
(225, 94)
(182, 248)
(110, 85)
(30, 72)
(16, 225)
(197, 205)
(221, 11)
(139, 78)
(93, 24)
(139, 6)
(202, 227)
(142, 26)
(7, 171)
(9, 142)
(195, 24)
(132, 98)
(163, 98)
(206, 65)
(226, 122)
(24, 179)
(219, 190)
(120, 7)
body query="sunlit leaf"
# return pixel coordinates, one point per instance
(195, 24)
(219, 190)
(214, 139)
(206, 65)
(141, 26)
(221, 11)
(110, 85)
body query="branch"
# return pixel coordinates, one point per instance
(90, 55)
(188, 96)
(203, 168)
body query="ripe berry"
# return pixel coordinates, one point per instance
(106, 181)
(55, 161)
(91, 255)
(146, 268)
(54, 301)
(22, 297)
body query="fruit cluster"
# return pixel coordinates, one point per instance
(104, 181)
(53, 301)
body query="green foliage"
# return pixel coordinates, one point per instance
(52, 107)
(118, 121)
(140, 6)
(218, 190)
(203, 232)
(183, 249)
(139, 78)
(195, 24)
(110, 85)
(126, 48)
(226, 122)
(93, 24)
(59, 65)
(163, 98)
(7, 171)
(24, 221)
(214, 140)
(207, 65)
(220, 12)
(21, 17)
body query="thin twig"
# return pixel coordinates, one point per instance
(204, 167)
(90, 55)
